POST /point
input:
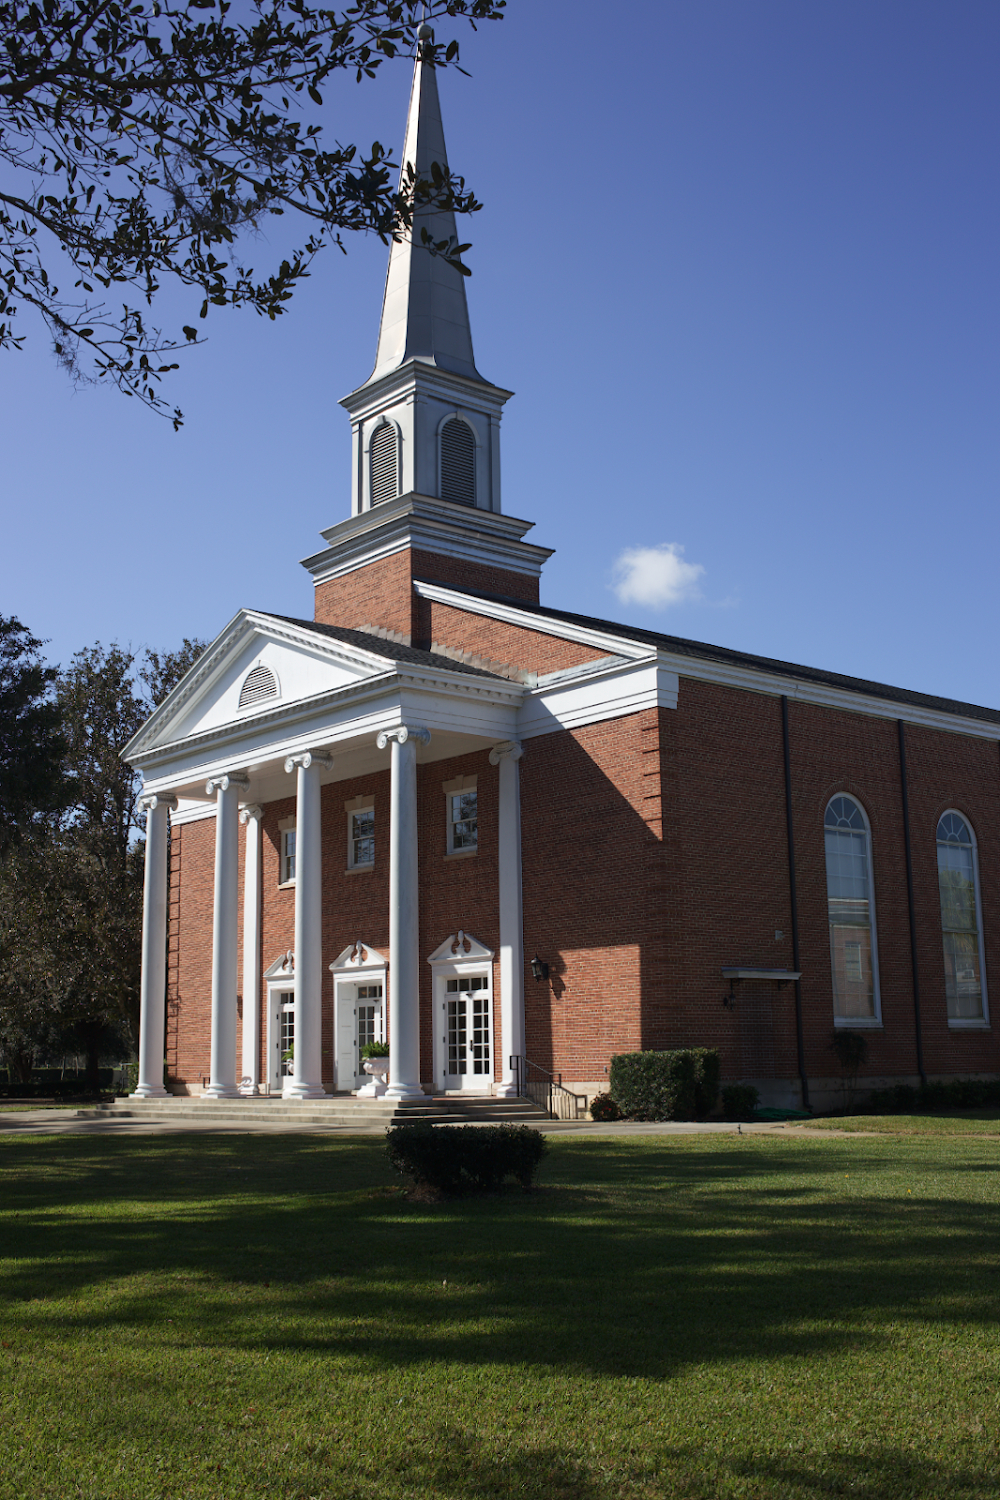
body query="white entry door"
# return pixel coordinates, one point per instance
(280, 1037)
(360, 1020)
(466, 1012)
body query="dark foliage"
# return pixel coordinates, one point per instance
(960, 1093)
(739, 1100)
(603, 1107)
(458, 1159)
(678, 1085)
(31, 742)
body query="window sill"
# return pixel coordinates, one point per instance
(286, 885)
(969, 1026)
(461, 854)
(856, 1023)
(360, 869)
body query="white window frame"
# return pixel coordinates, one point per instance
(856, 1023)
(382, 421)
(961, 1023)
(460, 416)
(285, 827)
(356, 805)
(452, 789)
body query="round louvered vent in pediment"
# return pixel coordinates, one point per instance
(261, 683)
(458, 462)
(385, 464)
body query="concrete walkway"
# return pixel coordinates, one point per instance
(66, 1121)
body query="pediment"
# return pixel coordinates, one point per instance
(359, 955)
(461, 947)
(290, 665)
(282, 968)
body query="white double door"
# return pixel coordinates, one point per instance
(360, 1020)
(464, 1005)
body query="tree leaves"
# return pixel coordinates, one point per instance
(147, 136)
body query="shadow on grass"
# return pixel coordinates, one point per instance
(629, 1260)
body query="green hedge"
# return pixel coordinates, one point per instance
(455, 1159)
(680, 1085)
(48, 1083)
(960, 1093)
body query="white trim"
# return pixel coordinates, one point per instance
(971, 1023)
(610, 692)
(359, 963)
(853, 1023)
(367, 804)
(727, 674)
(279, 978)
(471, 959)
(193, 812)
(451, 791)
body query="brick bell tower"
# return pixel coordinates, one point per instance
(425, 485)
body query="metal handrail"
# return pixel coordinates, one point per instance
(546, 1091)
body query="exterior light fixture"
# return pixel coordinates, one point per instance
(539, 968)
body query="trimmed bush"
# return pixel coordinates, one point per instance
(375, 1049)
(456, 1159)
(960, 1093)
(680, 1085)
(739, 1100)
(603, 1107)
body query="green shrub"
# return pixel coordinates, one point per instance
(739, 1100)
(375, 1049)
(456, 1159)
(603, 1107)
(676, 1085)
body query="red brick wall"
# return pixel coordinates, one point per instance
(381, 593)
(528, 650)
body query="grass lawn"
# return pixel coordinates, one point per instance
(693, 1317)
(983, 1122)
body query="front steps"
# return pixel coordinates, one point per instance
(336, 1110)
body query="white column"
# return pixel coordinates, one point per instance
(306, 1081)
(227, 789)
(250, 1072)
(506, 756)
(153, 992)
(404, 929)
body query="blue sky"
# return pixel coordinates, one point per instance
(738, 262)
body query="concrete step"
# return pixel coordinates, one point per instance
(340, 1110)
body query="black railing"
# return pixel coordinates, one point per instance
(546, 1090)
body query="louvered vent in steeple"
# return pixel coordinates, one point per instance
(259, 684)
(458, 462)
(385, 464)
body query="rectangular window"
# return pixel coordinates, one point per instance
(960, 929)
(361, 837)
(287, 855)
(463, 821)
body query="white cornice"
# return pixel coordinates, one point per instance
(416, 374)
(746, 678)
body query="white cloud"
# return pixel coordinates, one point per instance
(656, 576)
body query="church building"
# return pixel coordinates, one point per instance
(506, 839)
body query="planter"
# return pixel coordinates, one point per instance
(377, 1069)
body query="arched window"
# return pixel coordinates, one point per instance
(961, 927)
(259, 684)
(458, 462)
(851, 909)
(384, 459)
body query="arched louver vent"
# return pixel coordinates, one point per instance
(385, 464)
(458, 462)
(260, 683)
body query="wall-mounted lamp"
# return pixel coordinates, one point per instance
(539, 968)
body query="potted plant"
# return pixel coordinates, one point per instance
(375, 1062)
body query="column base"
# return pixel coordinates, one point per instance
(404, 1091)
(150, 1091)
(506, 1091)
(221, 1091)
(304, 1091)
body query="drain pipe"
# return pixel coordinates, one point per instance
(904, 787)
(794, 905)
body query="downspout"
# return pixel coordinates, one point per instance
(910, 901)
(794, 905)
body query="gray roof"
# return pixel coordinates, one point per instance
(704, 652)
(391, 650)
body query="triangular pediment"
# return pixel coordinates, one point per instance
(290, 663)
(359, 955)
(461, 947)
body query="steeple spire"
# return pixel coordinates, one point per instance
(424, 312)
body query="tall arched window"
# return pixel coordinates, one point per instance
(961, 927)
(458, 462)
(384, 460)
(851, 909)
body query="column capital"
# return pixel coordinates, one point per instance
(403, 732)
(506, 750)
(253, 811)
(223, 783)
(149, 800)
(310, 758)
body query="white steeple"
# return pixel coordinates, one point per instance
(424, 312)
(425, 421)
